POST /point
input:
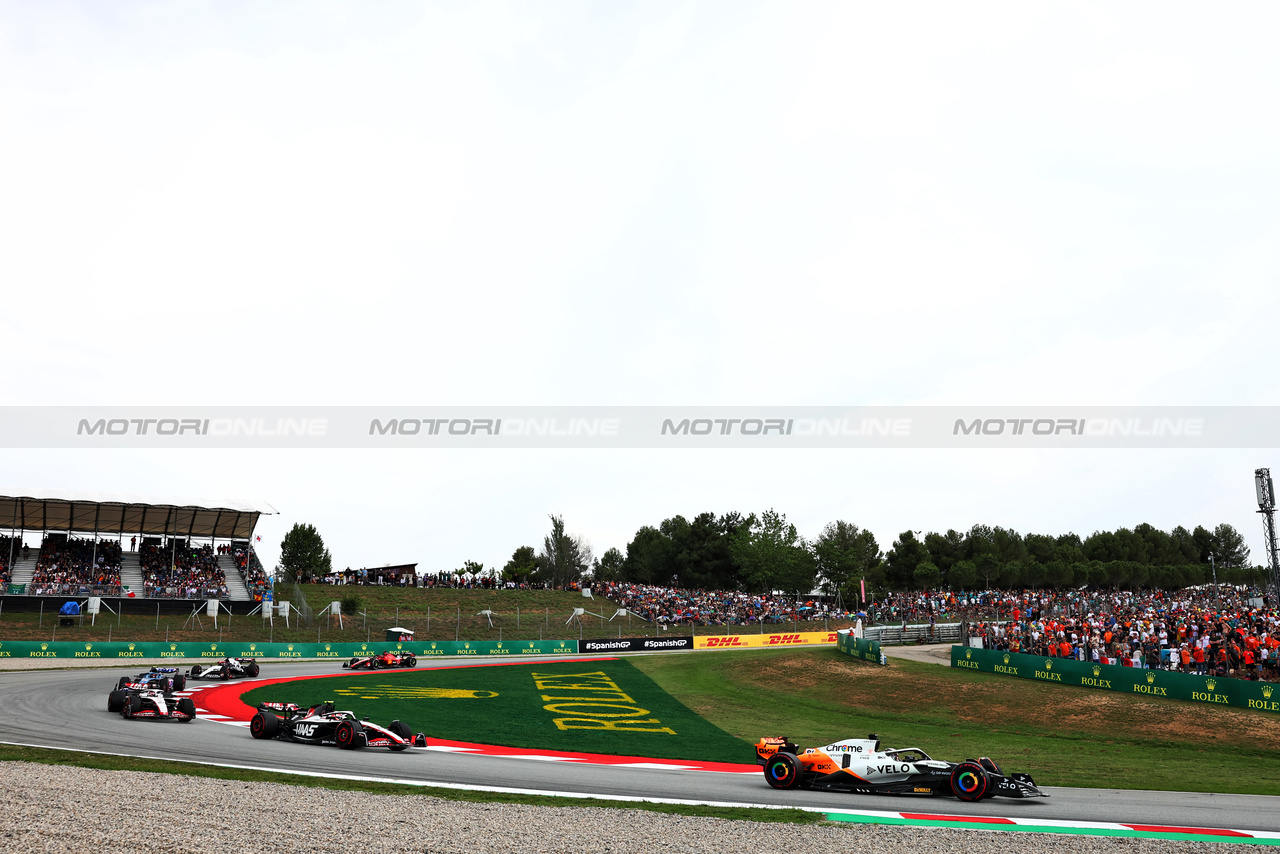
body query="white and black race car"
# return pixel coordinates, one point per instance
(139, 700)
(163, 678)
(323, 724)
(860, 765)
(228, 668)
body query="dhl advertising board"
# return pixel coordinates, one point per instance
(1218, 690)
(232, 649)
(781, 639)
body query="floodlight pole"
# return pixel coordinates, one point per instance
(1267, 507)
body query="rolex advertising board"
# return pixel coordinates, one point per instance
(1218, 690)
(235, 649)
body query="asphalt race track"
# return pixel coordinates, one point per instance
(67, 709)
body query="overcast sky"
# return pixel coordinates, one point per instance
(557, 203)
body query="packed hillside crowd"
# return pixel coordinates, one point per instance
(75, 566)
(9, 546)
(255, 579)
(450, 580)
(1218, 632)
(674, 606)
(180, 571)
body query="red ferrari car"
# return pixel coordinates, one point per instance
(383, 659)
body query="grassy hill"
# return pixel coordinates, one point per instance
(433, 613)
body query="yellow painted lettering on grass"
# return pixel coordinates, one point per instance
(596, 681)
(608, 710)
(618, 696)
(613, 726)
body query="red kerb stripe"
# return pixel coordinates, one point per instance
(1200, 831)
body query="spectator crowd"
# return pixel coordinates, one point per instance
(674, 606)
(1214, 631)
(177, 570)
(76, 566)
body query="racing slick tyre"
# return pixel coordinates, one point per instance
(351, 663)
(225, 673)
(124, 680)
(969, 781)
(132, 705)
(404, 732)
(349, 735)
(194, 674)
(179, 683)
(411, 662)
(188, 707)
(253, 669)
(264, 725)
(990, 766)
(115, 701)
(783, 771)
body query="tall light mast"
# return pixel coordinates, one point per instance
(1267, 507)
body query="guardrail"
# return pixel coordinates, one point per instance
(915, 633)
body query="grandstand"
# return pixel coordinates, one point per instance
(128, 547)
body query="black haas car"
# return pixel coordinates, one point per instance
(168, 679)
(228, 668)
(323, 724)
(138, 700)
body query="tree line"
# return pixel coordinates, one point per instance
(764, 552)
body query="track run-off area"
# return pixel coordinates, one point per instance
(66, 709)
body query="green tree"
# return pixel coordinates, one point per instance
(303, 556)
(564, 557)
(772, 555)
(650, 558)
(927, 575)
(1204, 543)
(702, 556)
(1184, 542)
(843, 554)
(945, 550)
(1059, 573)
(523, 563)
(1229, 548)
(608, 567)
(904, 556)
(963, 575)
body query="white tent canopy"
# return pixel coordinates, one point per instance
(127, 514)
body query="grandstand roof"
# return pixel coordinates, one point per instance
(121, 513)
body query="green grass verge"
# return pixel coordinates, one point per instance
(586, 707)
(1062, 736)
(13, 753)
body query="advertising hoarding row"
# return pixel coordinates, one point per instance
(1217, 690)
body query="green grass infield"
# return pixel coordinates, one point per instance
(586, 707)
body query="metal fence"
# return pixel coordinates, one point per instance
(920, 633)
